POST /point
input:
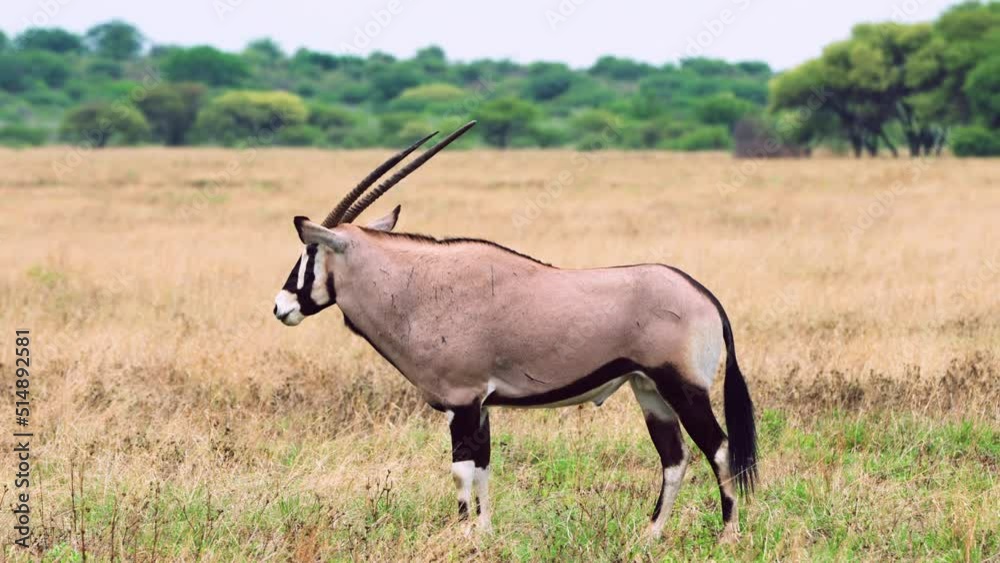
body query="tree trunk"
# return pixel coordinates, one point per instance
(888, 143)
(856, 145)
(871, 145)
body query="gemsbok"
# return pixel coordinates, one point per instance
(474, 325)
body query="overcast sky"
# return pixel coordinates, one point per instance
(781, 32)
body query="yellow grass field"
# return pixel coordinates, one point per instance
(176, 419)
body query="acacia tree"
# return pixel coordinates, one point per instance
(503, 119)
(864, 81)
(171, 110)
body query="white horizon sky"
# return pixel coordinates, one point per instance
(781, 32)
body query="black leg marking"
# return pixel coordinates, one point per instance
(470, 435)
(470, 442)
(666, 435)
(694, 409)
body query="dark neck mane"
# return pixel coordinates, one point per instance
(427, 239)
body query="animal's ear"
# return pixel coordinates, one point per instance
(386, 223)
(311, 233)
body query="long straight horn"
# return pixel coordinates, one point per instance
(335, 216)
(371, 196)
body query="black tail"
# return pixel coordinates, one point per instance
(739, 407)
(739, 417)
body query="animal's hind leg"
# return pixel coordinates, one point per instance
(666, 434)
(694, 409)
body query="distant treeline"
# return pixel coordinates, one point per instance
(922, 86)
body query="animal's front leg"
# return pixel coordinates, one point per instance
(470, 458)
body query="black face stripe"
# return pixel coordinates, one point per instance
(293, 279)
(304, 294)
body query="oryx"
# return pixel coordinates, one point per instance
(474, 325)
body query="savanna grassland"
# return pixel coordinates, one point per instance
(177, 420)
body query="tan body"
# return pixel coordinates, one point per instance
(464, 320)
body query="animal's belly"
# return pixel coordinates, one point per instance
(595, 386)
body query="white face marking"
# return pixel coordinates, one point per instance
(318, 291)
(286, 308)
(303, 262)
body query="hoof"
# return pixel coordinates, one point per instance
(730, 535)
(654, 532)
(484, 526)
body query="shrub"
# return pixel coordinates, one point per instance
(335, 122)
(975, 141)
(435, 97)
(106, 68)
(402, 128)
(299, 136)
(715, 137)
(722, 109)
(550, 134)
(22, 135)
(44, 97)
(250, 116)
(100, 124)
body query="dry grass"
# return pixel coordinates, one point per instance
(200, 427)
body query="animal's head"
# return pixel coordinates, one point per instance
(311, 286)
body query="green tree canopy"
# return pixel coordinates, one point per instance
(52, 39)
(21, 71)
(548, 80)
(622, 69)
(245, 116)
(115, 40)
(723, 109)
(504, 119)
(437, 97)
(100, 123)
(205, 64)
(982, 87)
(264, 50)
(171, 110)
